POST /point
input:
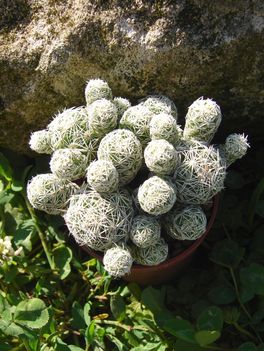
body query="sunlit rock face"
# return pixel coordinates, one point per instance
(181, 48)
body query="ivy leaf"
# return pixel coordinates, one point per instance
(211, 319)
(207, 337)
(118, 307)
(222, 295)
(62, 256)
(253, 277)
(32, 313)
(247, 346)
(227, 253)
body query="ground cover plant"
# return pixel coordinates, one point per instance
(55, 297)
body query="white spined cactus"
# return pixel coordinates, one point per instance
(102, 117)
(97, 89)
(40, 142)
(160, 104)
(102, 176)
(69, 164)
(164, 126)
(201, 174)
(137, 119)
(161, 157)
(202, 120)
(48, 193)
(185, 223)
(235, 147)
(145, 231)
(156, 196)
(124, 150)
(69, 129)
(117, 261)
(99, 221)
(151, 255)
(122, 105)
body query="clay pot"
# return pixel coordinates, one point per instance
(167, 270)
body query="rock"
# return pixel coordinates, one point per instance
(180, 48)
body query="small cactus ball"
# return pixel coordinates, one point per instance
(69, 129)
(122, 105)
(48, 193)
(145, 231)
(164, 126)
(186, 223)
(102, 176)
(97, 89)
(156, 196)
(153, 254)
(202, 120)
(124, 150)
(40, 142)
(137, 119)
(117, 261)
(160, 104)
(102, 117)
(69, 164)
(161, 157)
(235, 147)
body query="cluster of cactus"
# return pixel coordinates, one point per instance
(101, 152)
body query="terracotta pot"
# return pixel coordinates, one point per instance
(167, 270)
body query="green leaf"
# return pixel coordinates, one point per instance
(32, 313)
(61, 346)
(6, 196)
(255, 199)
(253, 277)
(78, 321)
(86, 312)
(62, 256)
(90, 333)
(247, 293)
(211, 319)
(5, 347)
(222, 295)
(227, 253)
(120, 346)
(17, 185)
(247, 346)
(153, 299)
(181, 345)
(118, 307)
(5, 168)
(176, 326)
(10, 328)
(207, 337)
(3, 304)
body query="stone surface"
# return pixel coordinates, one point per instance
(180, 48)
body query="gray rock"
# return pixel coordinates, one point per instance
(181, 48)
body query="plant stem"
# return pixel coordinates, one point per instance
(40, 233)
(243, 307)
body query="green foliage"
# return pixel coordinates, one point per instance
(53, 296)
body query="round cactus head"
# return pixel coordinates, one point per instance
(102, 176)
(97, 89)
(117, 261)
